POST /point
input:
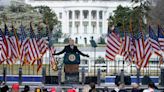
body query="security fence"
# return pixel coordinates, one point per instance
(107, 68)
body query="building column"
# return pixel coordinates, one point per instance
(97, 23)
(104, 23)
(81, 22)
(67, 21)
(73, 22)
(89, 23)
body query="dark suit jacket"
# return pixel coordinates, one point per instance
(68, 49)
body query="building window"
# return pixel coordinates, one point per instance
(110, 14)
(93, 13)
(70, 27)
(77, 14)
(84, 61)
(76, 40)
(85, 28)
(60, 15)
(85, 40)
(70, 14)
(94, 27)
(100, 27)
(85, 14)
(100, 15)
(77, 28)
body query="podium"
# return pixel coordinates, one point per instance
(71, 67)
(71, 58)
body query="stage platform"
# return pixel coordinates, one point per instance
(35, 81)
(38, 79)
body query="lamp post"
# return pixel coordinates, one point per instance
(94, 45)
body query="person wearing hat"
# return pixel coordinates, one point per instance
(71, 90)
(151, 88)
(15, 87)
(5, 88)
(26, 88)
(53, 90)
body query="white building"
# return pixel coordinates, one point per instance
(82, 19)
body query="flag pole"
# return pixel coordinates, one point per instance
(123, 29)
(49, 65)
(4, 65)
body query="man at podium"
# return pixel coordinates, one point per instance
(71, 62)
(71, 48)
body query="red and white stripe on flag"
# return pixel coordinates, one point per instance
(14, 49)
(42, 45)
(139, 45)
(113, 46)
(52, 59)
(24, 50)
(161, 43)
(125, 47)
(147, 54)
(33, 49)
(155, 47)
(3, 54)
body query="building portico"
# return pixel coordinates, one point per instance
(82, 19)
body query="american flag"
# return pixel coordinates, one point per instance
(139, 45)
(132, 52)
(24, 51)
(42, 43)
(52, 59)
(125, 47)
(16, 41)
(33, 47)
(161, 41)
(3, 54)
(154, 42)
(52, 49)
(9, 47)
(147, 54)
(14, 45)
(113, 46)
(143, 51)
(161, 37)
(43, 47)
(39, 64)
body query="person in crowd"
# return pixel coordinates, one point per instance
(86, 88)
(116, 89)
(151, 88)
(135, 88)
(71, 90)
(15, 87)
(38, 89)
(119, 87)
(58, 89)
(26, 88)
(53, 89)
(106, 89)
(122, 88)
(5, 88)
(45, 90)
(93, 87)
